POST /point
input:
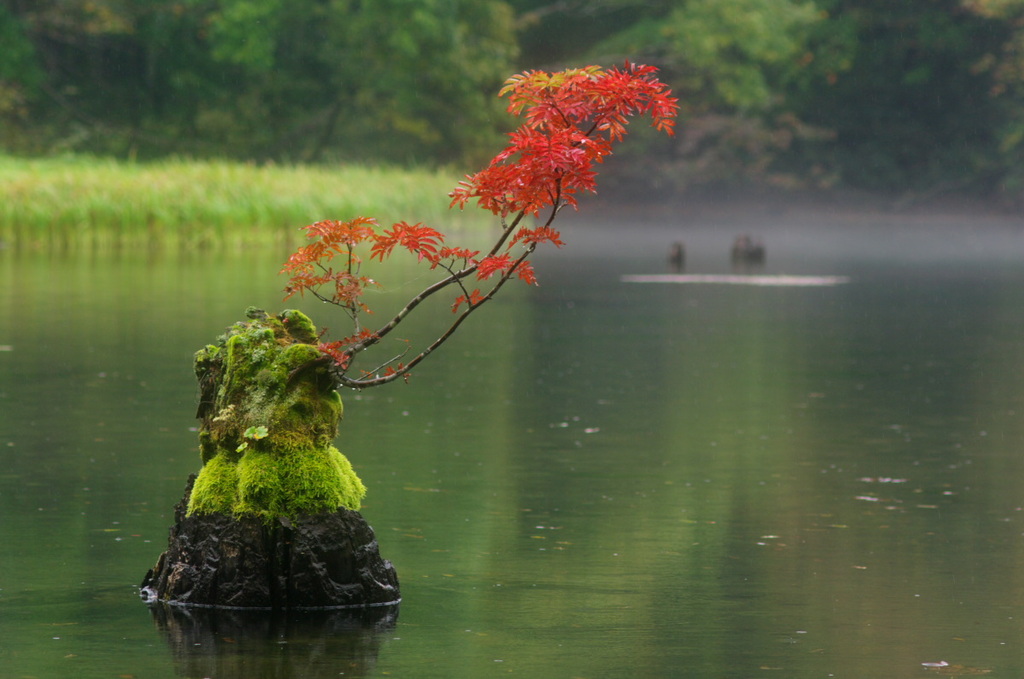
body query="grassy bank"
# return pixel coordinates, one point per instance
(80, 202)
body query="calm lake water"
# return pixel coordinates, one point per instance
(595, 479)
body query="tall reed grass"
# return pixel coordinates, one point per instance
(85, 202)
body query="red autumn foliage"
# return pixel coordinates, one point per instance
(489, 266)
(572, 118)
(424, 241)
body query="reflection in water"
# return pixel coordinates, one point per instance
(247, 644)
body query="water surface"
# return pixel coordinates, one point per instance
(595, 479)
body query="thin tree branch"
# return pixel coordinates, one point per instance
(363, 383)
(508, 229)
(454, 277)
(412, 304)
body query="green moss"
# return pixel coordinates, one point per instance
(215, 487)
(299, 326)
(272, 484)
(266, 375)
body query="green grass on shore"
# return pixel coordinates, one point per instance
(84, 202)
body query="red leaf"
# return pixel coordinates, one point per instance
(475, 298)
(335, 350)
(341, 350)
(542, 234)
(525, 273)
(457, 253)
(418, 239)
(488, 266)
(333, 233)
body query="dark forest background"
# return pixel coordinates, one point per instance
(922, 96)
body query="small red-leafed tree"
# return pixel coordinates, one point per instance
(571, 120)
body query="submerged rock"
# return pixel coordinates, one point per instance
(271, 519)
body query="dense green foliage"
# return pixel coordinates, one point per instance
(910, 95)
(260, 79)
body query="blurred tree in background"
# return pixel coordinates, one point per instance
(297, 80)
(1005, 66)
(915, 96)
(733, 63)
(913, 106)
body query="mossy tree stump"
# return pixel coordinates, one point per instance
(271, 520)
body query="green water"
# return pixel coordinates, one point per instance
(595, 479)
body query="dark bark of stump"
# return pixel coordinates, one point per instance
(313, 561)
